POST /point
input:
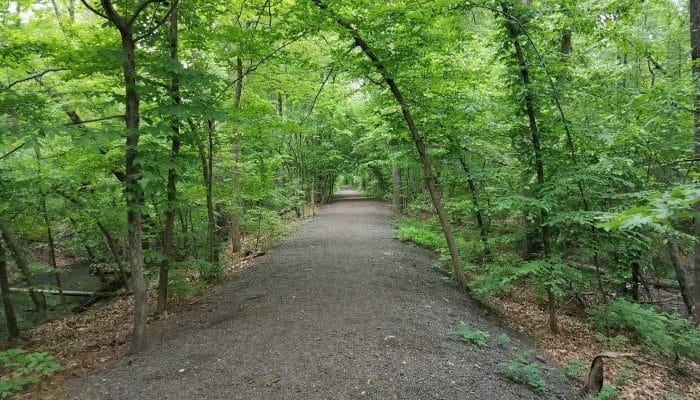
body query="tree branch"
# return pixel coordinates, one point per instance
(35, 75)
(93, 120)
(318, 93)
(9, 153)
(91, 8)
(259, 63)
(158, 24)
(139, 8)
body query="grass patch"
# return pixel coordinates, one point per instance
(469, 335)
(524, 371)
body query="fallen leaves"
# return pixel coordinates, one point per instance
(650, 380)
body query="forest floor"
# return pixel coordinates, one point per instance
(339, 310)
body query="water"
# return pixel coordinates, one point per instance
(74, 277)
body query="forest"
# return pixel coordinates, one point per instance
(547, 150)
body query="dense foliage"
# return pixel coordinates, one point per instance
(148, 137)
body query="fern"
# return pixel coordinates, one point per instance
(664, 334)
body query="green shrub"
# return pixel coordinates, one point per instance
(469, 335)
(20, 368)
(429, 235)
(508, 269)
(261, 222)
(503, 340)
(523, 370)
(664, 334)
(612, 342)
(208, 271)
(181, 284)
(575, 368)
(420, 233)
(608, 392)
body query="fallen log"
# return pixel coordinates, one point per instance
(659, 283)
(76, 293)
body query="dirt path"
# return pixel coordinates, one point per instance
(340, 310)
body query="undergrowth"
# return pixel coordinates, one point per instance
(469, 334)
(429, 235)
(20, 368)
(523, 370)
(666, 335)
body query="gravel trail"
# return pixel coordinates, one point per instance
(340, 310)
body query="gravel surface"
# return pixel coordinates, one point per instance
(340, 310)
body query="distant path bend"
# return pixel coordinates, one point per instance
(340, 310)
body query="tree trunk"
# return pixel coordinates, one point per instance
(681, 275)
(312, 195)
(430, 179)
(695, 56)
(52, 248)
(236, 172)
(169, 227)
(207, 163)
(23, 265)
(134, 192)
(636, 279)
(514, 31)
(112, 246)
(481, 224)
(49, 231)
(396, 186)
(12, 328)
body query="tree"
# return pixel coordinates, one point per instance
(695, 57)
(12, 329)
(125, 24)
(169, 225)
(417, 138)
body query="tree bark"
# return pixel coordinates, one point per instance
(23, 265)
(396, 186)
(12, 328)
(134, 192)
(636, 279)
(695, 56)
(236, 172)
(132, 184)
(171, 191)
(430, 179)
(681, 275)
(207, 162)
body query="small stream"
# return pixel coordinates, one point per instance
(77, 276)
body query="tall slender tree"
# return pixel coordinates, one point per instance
(126, 25)
(694, 8)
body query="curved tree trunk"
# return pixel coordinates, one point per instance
(430, 180)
